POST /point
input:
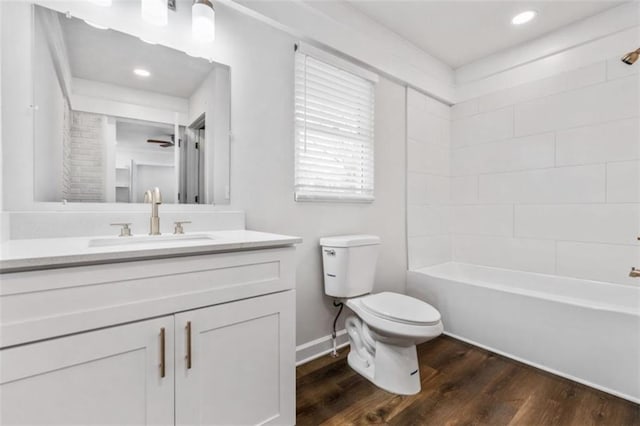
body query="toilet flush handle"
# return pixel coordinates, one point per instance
(330, 252)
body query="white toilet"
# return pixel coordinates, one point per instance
(388, 326)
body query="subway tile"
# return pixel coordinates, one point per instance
(598, 262)
(587, 75)
(531, 152)
(523, 92)
(464, 189)
(483, 127)
(599, 103)
(428, 158)
(427, 251)
(509, 253)
(599, 223)
(427, 189)
(623, 182)
(428, 220)
(464, 109)
(579, 184)
(613, 141)
(482, 220)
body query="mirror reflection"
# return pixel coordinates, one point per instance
(116, 115)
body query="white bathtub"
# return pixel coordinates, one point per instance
(586, 331)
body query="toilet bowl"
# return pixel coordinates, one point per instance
(386, 326)
(383, 336)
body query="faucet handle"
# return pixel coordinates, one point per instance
(178, 229)
(125, 231)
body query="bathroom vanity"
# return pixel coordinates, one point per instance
(174, 331)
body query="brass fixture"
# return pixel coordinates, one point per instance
(631, 57)
(125, 231)
(188, 329)
(179, 229)
(162, 351)
(635, 273)
(154, 197)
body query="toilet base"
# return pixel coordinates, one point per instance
(390, 367)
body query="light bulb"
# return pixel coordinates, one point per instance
(203, 21)
(524, 17)
(141, 72)
(155, 12)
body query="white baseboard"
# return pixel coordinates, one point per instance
(542, 367)
(319, 347)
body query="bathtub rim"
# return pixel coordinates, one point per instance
(583, 303)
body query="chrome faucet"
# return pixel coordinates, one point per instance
(154, 197)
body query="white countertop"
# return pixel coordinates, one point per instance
(45, 253)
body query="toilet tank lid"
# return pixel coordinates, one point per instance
(349, 240)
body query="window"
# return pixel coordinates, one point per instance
(334, 121)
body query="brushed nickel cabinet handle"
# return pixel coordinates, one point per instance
(188, 327)
(162, 352)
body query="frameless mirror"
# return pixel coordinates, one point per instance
(116, 115)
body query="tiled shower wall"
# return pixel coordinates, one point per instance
(545, 176)
(428, 169)
(84, 168)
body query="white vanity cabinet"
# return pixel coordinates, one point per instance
(109, 376)
(207, 339)
(235, 368)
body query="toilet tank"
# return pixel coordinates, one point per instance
(349, 264)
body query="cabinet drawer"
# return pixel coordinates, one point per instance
(43, 304)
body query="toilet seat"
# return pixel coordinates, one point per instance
(400, 308)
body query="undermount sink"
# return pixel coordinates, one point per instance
(147, 239)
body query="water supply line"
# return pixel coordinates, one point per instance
(334, 352)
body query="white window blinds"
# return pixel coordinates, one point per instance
(334, 122)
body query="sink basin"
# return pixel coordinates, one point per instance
(147, 239)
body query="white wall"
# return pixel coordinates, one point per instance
(428, 180)
(546, 175)
(338, 26)
(262, 168)
(262, 152)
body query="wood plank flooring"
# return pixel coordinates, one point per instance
(461, 385)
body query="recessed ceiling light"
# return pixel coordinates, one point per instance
(141, 72)
(524, 17)
(94, 25)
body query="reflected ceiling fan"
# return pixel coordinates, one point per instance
(164, 143)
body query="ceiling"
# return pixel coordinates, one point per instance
(460, 32)
(109, 56)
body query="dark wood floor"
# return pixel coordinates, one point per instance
(461, 384)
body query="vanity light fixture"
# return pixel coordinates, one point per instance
(155, 12)
(524, 17)
(141, 72)
(203, 21)
(94, 25)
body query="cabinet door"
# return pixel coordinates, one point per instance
(109, 376)
(242, 366)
